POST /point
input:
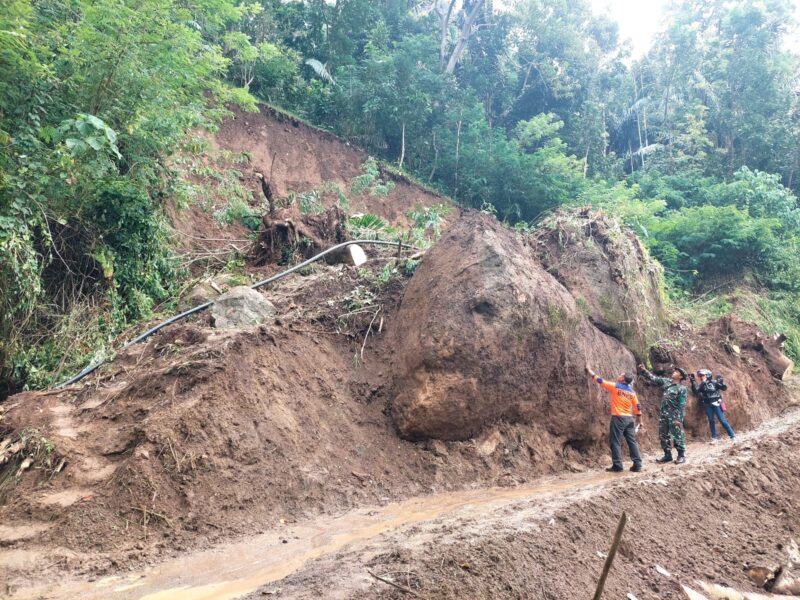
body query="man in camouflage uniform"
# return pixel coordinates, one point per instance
(670, 418)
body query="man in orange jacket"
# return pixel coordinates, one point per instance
(624, 408)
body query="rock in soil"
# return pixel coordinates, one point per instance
(242, 307)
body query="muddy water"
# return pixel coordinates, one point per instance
(233, 570)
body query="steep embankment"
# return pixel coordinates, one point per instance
(200, 435)
(295, 158)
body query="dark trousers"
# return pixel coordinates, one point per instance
(713, 413)
(623, 427)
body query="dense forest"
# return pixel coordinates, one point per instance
(516, 108)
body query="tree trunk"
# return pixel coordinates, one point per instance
(403, 146)
(458, 145)
(778, 364)
(435, 158)
(444, 25)
(463, 37)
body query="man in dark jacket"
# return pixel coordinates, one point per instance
(708, 391)
(670, 417)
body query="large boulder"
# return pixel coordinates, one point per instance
(484, 333)
(609, 272)
(241, 307)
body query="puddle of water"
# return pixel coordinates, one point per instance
(217, 574)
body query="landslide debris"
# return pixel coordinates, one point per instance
(487, 334)
(242, 306)
(739, 352)
(202, 434)
(608, 271)
(299, 159)
(288, 234)
(729, 510)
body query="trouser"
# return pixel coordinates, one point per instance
(670, 430)
(623, 427)
(714, 413)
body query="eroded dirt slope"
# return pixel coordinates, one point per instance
(201, 436)
(731, 508)
(296, 158)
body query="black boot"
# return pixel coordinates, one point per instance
(681, 458)
(667, 458)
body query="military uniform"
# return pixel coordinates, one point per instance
(670, 418)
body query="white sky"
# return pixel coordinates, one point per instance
(639, 20)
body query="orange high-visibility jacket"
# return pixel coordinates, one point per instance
(624, 402)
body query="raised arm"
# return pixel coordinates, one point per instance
(607, 385)
(652, 377)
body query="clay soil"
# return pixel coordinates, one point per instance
(730, 508)
(200, 438)
(296, 158)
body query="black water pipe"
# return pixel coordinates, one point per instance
(94, 366)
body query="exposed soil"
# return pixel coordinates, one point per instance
(753, 393)
(488, 335)
(729, 509)
(608, 271)
(305, 158)
(201, 437)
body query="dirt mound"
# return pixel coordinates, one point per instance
(199, 435)
(709, 521)
(742, 355)
(486, 334)
(609, 272)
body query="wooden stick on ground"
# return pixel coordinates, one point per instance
(610, 558)
(393, 584)
(369, 329)
(149, 513)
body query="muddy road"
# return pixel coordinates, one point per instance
(509, 542)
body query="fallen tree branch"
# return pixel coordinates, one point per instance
(402, 588)
(369, 329)
(145, 512)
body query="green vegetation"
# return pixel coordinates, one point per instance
(515, 110)
(93, 97)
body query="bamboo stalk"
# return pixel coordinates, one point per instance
(610, 558)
